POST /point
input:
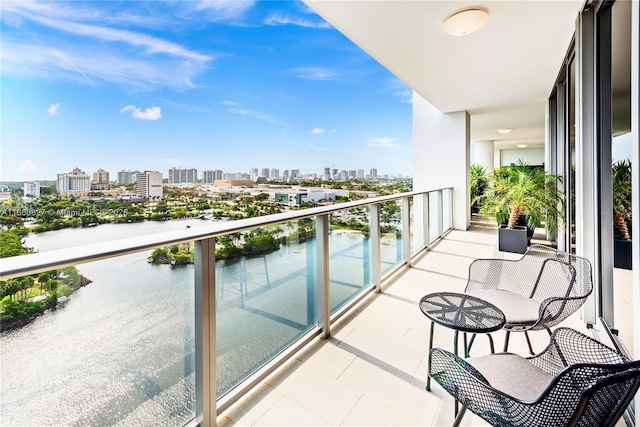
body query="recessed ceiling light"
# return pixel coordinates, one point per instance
(466, 21)
(522, 145)
(504, 131)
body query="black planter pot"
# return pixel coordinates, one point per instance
(523, 221)
(622, 254)
(512, 239)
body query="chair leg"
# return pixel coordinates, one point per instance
(458, 419)
(428, 387)
(473, 337)
(506, 341)
(526, 335)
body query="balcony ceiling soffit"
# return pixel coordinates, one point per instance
(502, 73)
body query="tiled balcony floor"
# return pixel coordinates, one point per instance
(372, 371)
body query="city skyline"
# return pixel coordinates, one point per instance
(112, 176)
(199, 84)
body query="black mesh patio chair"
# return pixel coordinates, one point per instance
(575, 381)
(536, 292)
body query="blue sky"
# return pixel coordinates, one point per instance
(207, 84)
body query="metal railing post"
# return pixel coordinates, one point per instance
(375, 247)
(322, 282)
(205, 331)
(426, 223)
(406, 231)
(450, 207)
(440, 213)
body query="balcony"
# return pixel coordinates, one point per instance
(325, 332)
(372, 370)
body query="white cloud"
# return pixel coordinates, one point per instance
(279, 19)
(382, 142)
(53, 109)
(401, 90)
(236, 108)
(317, 130)
(96, 50)
(150, 44)
(28, 168)
(151, 113)
(313, 73)
(223, 9)
(187, 107)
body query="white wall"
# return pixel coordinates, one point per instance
(533, 156)
(441, 147)
(484, 155)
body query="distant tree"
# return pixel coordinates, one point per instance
(183, 258)
(11, 221)
(47, 191)
(159, 254)
(11, 244)
(260, 241)
(70, 276)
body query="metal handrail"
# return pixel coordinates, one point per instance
(208, 405)
(44, 261)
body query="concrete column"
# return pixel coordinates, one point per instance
(441, 151)
(484, 155)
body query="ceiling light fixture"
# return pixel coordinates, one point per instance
(465, 22)
(522, 145)
(504, 131)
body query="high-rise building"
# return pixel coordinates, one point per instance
(31, 189)
(149, 185)
(100, 180)
(73, 182)
(265, 173)
(373, 173)
(360, 174)
(352, 173)
(253, 173)
(127, 176)
(274, 174)
(218, 173)
(183, 176)
(295, 173)
(208, 176)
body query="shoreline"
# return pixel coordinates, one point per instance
(11, 325)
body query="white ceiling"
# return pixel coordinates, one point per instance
(502, 74)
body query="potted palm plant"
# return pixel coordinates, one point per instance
(621, 180)
(478, 182)
(521, 197)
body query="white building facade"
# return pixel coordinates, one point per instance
(183, 176)
(74, 182)
(149, 185)
(31, 190)
(127, 176)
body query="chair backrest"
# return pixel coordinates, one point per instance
(604, 402)
(558, 281)
(593, 383)
(563, 284)
(560, 274)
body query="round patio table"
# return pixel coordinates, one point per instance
(462, 313)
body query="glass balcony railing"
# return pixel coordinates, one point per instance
(165, 344)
